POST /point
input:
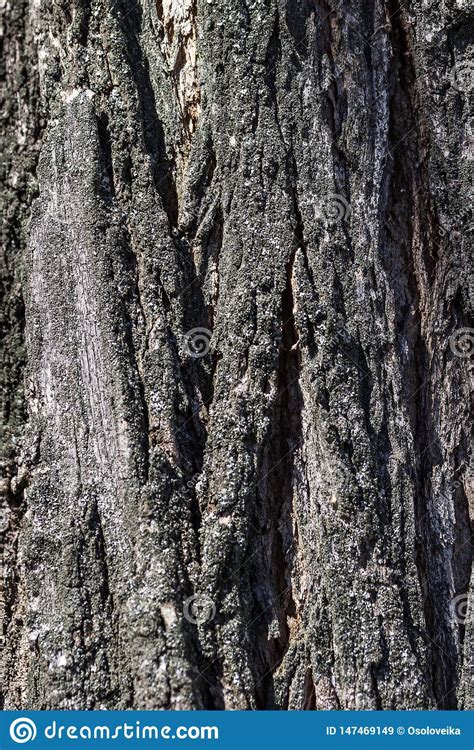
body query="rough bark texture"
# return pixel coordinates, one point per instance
(283, 522)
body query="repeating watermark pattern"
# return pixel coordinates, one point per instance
(342, 331)
(470, 375)
(462, 342)
(199, 609)
(197, 342)
(190, 215)
(23, 730)
(3, 607)
(460, 606)
(451, 488)
(333, 209)
(191, 483)
(462, 76)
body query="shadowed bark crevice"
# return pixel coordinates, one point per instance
(163, 161)
(415, 282)
(276, 488)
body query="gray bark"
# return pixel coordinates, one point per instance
(282, 522)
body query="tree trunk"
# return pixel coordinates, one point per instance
(236, 398)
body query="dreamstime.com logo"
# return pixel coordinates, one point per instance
(24, 730)
(199, 609)
(198, 342)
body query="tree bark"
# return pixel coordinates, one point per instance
(236, 367)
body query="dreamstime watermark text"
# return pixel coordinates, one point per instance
(23, 730)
